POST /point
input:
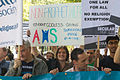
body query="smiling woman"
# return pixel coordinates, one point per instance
(62, 64)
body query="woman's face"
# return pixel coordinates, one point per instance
(62, 55)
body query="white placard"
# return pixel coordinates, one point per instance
(10, 22)
(55, 25)
(95, 17)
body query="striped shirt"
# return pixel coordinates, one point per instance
(27, 67)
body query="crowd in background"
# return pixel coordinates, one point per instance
(31, 62)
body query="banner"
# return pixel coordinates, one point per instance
(10, 22)
(56, 25)
(96, 15)
(82, 75)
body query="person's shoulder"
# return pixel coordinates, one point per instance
(38, 60)
(54, 61)
(91, 68)
(70, 70)
(68, 63)
(41, 57)
(8, 62)
(106, 58)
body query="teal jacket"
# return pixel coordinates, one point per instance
(39, 68)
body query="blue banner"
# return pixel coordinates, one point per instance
(82, 75)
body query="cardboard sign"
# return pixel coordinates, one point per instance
(56, 25)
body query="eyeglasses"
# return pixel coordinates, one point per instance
(111, 43)
(89, 52)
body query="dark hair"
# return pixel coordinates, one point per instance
(4, 49)
(10, 55)
(75, 53)
(111, 38)
(53, 64)
(67, 52)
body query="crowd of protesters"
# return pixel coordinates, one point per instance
(31, 62)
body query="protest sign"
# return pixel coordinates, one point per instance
(95, 17)
(115, 12)
(56, 25)
(10, 22)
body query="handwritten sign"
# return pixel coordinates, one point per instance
(55, 25)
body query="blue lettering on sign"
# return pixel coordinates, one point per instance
(6, 2)
(2, 3)
(45, 35)
(9, 27)
(10, 10)
(7, 42)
